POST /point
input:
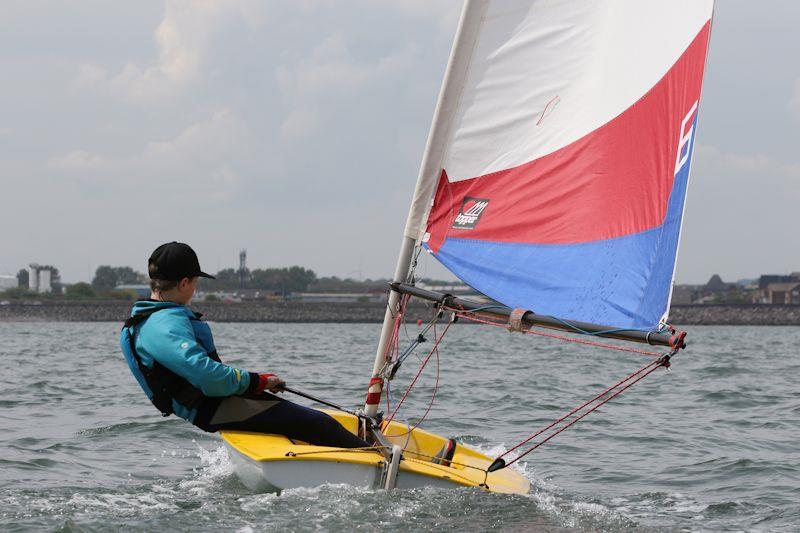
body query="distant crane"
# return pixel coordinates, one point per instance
(242, 268)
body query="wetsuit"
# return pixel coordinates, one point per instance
(171, 353)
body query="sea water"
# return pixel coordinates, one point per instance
(712, 444)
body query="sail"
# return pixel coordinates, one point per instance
(566, 156)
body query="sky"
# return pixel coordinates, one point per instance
(295, 129)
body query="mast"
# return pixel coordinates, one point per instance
(430, 170)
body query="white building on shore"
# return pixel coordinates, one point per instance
(8, 281)
(39, 278)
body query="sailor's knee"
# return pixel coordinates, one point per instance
(328, 422)
(324, 418)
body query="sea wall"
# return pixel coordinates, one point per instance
(735, 315)
(95, 311)
(101, 311)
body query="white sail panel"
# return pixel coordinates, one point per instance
(546, 73)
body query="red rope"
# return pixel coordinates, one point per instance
(419, 372)
(638, 375)
(388, 393)
(393, 343)
(430, 404)
(473, 318)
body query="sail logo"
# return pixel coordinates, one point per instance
(685, 138)
(470, 212)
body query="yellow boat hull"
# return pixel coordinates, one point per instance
(274, 462)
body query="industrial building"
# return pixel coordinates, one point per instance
(39, 278)
(8, 281)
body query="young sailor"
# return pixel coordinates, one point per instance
(171, 353)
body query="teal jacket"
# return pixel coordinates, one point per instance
(176, 338)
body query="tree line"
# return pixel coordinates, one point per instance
(283, 280)
(278, 280)
(275, 280)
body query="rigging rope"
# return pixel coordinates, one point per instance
(434, 350)
(618, 388)
(466, 315)
(394, 339)
(601, 399)
(583, 410)
(433, 396)
(338, 450)
(394, 359)
(427, 409)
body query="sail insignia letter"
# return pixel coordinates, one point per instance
(685, 138)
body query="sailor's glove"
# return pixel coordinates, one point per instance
(269, 382)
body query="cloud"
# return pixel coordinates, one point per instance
(331, 70)
(77, 160)
(183, 38)
(332, 67)
(712, 159)
(199, 159)
(214, 139)
(299, 123)
(445, 12)
(89, 75)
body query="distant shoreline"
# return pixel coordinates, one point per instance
(357, 312)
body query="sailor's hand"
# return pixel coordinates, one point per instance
(270, 382)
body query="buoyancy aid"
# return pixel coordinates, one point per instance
(161, 385)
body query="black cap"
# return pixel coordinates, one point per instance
(174, 261)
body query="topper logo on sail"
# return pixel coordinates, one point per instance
(685, 138)
(470, 212)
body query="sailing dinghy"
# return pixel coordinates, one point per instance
(553, 181)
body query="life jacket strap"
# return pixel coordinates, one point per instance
(162, 398)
